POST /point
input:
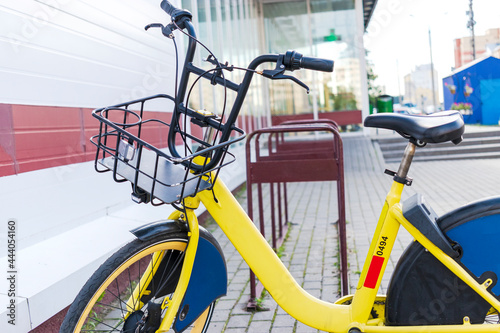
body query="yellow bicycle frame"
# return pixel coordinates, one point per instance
(332, 317)
(172, 305)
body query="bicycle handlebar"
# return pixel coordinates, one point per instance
(317, 64)
(294, 60)
(167, 7)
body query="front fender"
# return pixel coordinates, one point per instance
(208, 281)
(209, 275)
(144, 232)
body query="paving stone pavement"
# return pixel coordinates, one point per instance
(310, 251)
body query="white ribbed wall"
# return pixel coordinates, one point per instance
(83, 53)
(79, 54)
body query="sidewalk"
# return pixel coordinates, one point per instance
(311, 248)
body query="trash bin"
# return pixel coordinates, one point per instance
(384, 103)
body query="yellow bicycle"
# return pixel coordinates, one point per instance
(170, 277)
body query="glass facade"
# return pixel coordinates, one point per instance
(239, 30)
(230, 29)
(326, 29)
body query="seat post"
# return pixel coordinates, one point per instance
(406, 161)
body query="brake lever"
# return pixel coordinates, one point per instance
(167, 30)
(277, 74)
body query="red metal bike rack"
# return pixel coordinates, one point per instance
(317, 157)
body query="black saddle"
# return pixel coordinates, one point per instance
(435, 128)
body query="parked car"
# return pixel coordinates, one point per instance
(407, 108)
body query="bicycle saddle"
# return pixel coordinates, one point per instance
(435, 128)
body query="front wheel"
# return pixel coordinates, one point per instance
(132, 289)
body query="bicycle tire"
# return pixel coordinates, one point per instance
(101, 305)
(422, 291)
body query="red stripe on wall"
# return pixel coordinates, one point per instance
(7, 144)
(39, 137)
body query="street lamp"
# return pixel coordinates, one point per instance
(432, 72)
(432, 68)
(470, 26)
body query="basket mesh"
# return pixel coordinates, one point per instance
(132, 142)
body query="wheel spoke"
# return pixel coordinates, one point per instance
(114, 329)
(166, 280)
(130, 285)
(120, 302)
(119, 297)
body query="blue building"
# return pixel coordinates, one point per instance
(475, 90)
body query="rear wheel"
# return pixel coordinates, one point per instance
(423, 291)
(132, 289)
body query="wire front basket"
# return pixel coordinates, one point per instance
(127, 145)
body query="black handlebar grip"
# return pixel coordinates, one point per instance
(168, 7)
(316, 64)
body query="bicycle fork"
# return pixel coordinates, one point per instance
(171, 304)
(203, 270)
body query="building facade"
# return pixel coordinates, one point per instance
(485, 45)
(474, 90)
(419, 88)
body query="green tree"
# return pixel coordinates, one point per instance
(344, 100)
(373, 90)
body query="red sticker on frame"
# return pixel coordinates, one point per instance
(374, 272)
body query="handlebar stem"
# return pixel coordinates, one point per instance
(241, 92)
(189, 59)
(181, 93)
(245, 84)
